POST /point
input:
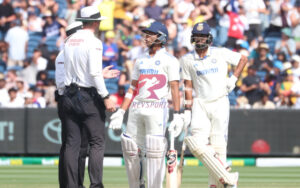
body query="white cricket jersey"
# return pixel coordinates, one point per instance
(60, 72)
(209, 75)
(154, 74)
(83, 61)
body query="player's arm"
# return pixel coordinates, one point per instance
(116, 119)
(188, 92)
(129, 95)
(175, 95)
(239, 68)
(237, 72)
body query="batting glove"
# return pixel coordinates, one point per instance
(176, 125)
(187, 117)
(116, 120)
(231, 83)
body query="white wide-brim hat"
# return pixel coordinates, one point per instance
(73, 27)
(90, 14)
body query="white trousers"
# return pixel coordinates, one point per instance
(210, 119)
(147, 118)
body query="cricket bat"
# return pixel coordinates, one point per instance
(171, 179)
(180, 166)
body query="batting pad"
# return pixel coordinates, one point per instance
(131, 158)
(210, 160)
(156, 150)
(219, 147)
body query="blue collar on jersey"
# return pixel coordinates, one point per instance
(162, 50)
(208, 53)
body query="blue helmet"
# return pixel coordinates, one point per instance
(160, 29)
(202, 28)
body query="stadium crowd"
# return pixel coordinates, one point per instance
(268, 31)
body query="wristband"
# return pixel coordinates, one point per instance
(188, 102)
(188, 89)
(128, 95)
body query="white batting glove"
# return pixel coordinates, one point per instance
(187, 117)
(176, 125)
(116, 120)
(231, 83)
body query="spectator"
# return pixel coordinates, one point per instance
(11, 79)
(295, 92)
(264, 103)
(17, 39)
(3, 59)
(38, 98)
(262, 63)
(251, 86)
(38, 60)
(284, 88)
(184, 35)
(294, 18)
(22, 89)
(3, 92)
(286, 44)
(172, 29)
(183, 10)
(237, 27)
(276, 19)
(119, 96)
(110, 50)
(153, 11)
(29, 72)
(52, 28)
(199, 14)
(14, 100)
(253, 8)
(295, 66)
(35, 22)
(7, 15)
(124, 42)
(107, 10)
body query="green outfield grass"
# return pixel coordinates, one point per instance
(36, 176)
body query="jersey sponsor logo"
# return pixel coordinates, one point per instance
(148, 84)
(207, 71)
(148, 71)
(75, 42)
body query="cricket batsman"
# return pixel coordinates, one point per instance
(154, 74)
(205, 70)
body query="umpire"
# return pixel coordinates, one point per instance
(59, 80)
(84, 96)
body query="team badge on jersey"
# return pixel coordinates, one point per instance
(149, 83)
(157, 62)
(213, 60)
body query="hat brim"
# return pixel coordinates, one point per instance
(91, 19)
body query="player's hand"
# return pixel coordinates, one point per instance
(109, 104)
(116, 119)
(108, 73)
(187, 117)
(231, 83)
(176, 125)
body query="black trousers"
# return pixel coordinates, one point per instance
(83, 149)
(83, 112)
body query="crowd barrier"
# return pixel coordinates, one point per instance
(251, 133)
